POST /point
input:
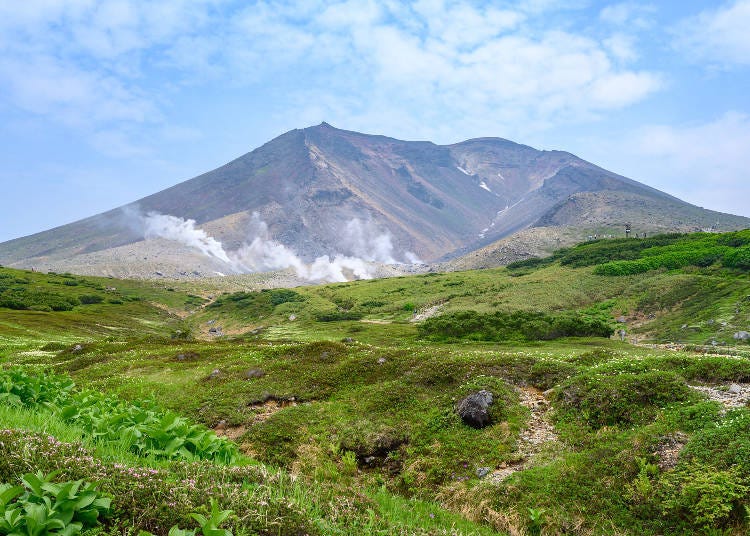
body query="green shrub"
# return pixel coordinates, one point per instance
(90, 299)
(338, 316)
(739, 259)
(700, 496)
(725, 445)
(518, 326)
(602, 400)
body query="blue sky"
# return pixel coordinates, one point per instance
(103, 102)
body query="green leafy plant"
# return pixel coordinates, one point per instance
(148, 430)
(41, 506)
(207, 525)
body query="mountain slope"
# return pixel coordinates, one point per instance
(309, 185)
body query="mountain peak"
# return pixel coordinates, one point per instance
(311, 186)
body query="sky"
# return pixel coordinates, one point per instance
(104, 102)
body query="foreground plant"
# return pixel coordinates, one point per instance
(207, 526)
(40, 506)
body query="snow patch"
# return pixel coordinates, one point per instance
(462, 170)
(484, 186)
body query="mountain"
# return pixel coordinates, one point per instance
(307, 187)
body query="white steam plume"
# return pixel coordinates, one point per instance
(183, 231)
(265, 254)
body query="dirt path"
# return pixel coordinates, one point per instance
(533, 437)
(735, 395)
(426, 313)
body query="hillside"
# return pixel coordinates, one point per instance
(325, 191)
(341, 400)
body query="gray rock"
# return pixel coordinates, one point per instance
(254, 373)
(77, 348)
(292, 318)
(215, 331)
(347, 340)
(621, 319)
(482, 472)
(735, 389)
(473, 409)
(214, 374)
(381, 361)
(741, 336)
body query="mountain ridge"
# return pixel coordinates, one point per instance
(432, 201)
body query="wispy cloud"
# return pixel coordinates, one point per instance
(477, 66)
(705, 163)
(719, 36)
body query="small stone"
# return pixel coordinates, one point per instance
(741, 336)
(77, 348)
(254, 373)
(214, 374)
(292, 318)
(482, 472)
(222, 425)
(381, 361)
(347, 340)
(735, 389)
(369, 460)
(621, 319)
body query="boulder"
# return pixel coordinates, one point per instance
(473, 409)
(735, 389)
(741, 336)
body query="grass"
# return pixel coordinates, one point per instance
(349, 424)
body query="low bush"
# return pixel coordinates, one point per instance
(338, 316)
(515, 326)
(604, 400)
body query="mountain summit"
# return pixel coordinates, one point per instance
(306, 186)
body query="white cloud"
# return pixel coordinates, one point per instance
(630, 14)
(439, 65)
(718, 35)
(707, 164)
(622, 47)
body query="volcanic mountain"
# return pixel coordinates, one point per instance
(309, 185)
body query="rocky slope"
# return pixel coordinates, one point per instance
(321, 191)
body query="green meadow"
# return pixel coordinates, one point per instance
(193, 408)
